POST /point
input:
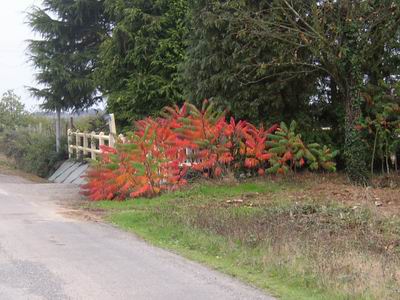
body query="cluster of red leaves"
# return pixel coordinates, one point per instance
(218, 145)
(206, 133)
(157, 155)
(145, 164)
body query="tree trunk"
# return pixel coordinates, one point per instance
(58, 130)
(355, 150)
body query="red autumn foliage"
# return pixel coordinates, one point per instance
(156, 156)
(145, 165)
(206, 133)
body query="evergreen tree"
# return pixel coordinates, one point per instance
(336, 46)
(229, 64)
(139, 71)
(66, 54)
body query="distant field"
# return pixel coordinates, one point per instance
(313, 237)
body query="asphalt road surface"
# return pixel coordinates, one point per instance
(45, 254)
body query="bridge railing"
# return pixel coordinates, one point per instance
(83, 144)
(88, 144)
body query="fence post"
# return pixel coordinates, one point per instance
(101, 139)
(70, 150)
(93, 145)
(113, 130)
(71, 123)
(78, 143)
(85, 143)
(122, 138)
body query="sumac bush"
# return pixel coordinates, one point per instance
(157, 155)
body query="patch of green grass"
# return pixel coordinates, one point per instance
(199, 192)
(292, 249)
(218, 253)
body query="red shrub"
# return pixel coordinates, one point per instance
(156, 156)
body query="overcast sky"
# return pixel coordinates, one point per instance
(15, 72)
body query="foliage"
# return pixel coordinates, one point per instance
(65, 56)
(217, 146)
(157, 155)
(144, 165)
(25, 137)
(355, 154)
(12, 111)
(266, 61)
(139, 70)
(249, 144)
(245, 51)
(381, 125)
(228, 62)
(204, 132)
(290, 152)
(32, 152)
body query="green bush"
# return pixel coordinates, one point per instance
(32, 152)
(12, 111)
(91, 123)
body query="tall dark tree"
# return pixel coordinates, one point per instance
(338, 46)
(65, 56)
(139, 72)
(230, 64)
(352, 42)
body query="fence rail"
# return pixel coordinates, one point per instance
(81, 144)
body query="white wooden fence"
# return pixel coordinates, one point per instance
(82, 144)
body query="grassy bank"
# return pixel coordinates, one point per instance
(284, 237)
(8, 167)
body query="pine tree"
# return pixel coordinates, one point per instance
(65, 56)
(228, 64)
(140, 59)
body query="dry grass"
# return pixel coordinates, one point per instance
(318, 231)
(353, 251)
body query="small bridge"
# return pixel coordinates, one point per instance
(83, 147)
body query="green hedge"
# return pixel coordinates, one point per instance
(32, 152)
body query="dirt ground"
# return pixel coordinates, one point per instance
(383, 194)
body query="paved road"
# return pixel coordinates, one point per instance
(46, 255)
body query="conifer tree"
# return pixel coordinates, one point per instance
(65, 54)
(140, 59)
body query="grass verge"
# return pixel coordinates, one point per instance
(261, 233)
(7, 167)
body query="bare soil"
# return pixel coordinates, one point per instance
(383, 196)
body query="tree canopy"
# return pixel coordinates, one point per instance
(12, 111)
(139, 70)
(251, 51)
(228, 62)
(66, 54)
(266, 61)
